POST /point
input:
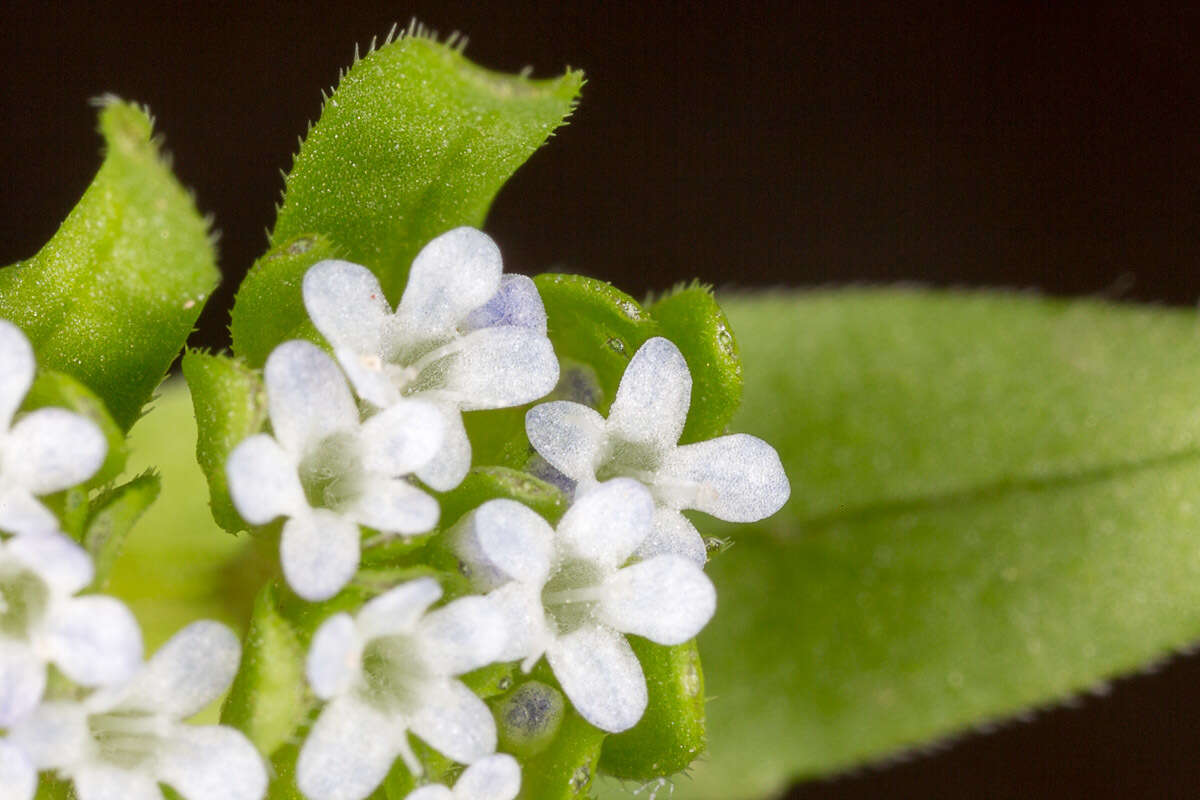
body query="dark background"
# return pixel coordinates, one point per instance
(791, 144)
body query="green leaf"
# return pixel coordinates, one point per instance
(55, 389)
(230, 405)
(993, 507)
(114, 294)
(414, 141)
(112, 515)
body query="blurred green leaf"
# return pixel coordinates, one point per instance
(114, 294)
(112, 515)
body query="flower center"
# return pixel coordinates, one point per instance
(24, 598)
(394, 673)
(331, 472)
(641, 461)
(572, 594)
(127, 739)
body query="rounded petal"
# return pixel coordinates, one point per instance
(674, 534)
(262, 480)
(18, 778)
(602, 677)
(456, 723)
(54, 735)
(452, 276)
(334, 656)
(497, 777)
(52, 449)
(347, 753)
(319, 552)
(608, 523)
(368, 375)
(187, 673)
(95, 640)
(397, 610)
(212, 762)
(738, 478)
(393, 505)
(101, 781)
(515, 304)
(434, 791)
(463, 635)
(499, 368)
(524, 621)
(307, 396)
(451, 463)
(568, 435)
(402, 438)
(667, 599)
(22, 681)
(346, 304)
(16, 370)
(20, 513)
(60, 562)
(654, 395)
(513, 538)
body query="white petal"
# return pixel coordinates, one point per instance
(397, 610)
(524, 621)
(368, 375)
(18, 778)
(451, 463)
(319, 552)
(452, 275)
(652, 401)
(54, 735)
(20, 513)
(60, 562)
(513, 538)
(456, 723)
(667, 599)
(187, 673)
(52, 449)
(608, 523)
(516, 303)
(461, 636)
(496, 777)
(402, 438)
(499, 368)
(262, 480)
(94, 640)
(307, 396)
(393, 505)
(347, 753)
(22, 681)
(602, 677)
(674, 534)
(100, 781)
(16, 370)
(738, 478)
(568, 435)
(333, 657)
(434, 791)
(346, 304)
(212, 762)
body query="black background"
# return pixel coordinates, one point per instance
(788, 144)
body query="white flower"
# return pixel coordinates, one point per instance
(120, 743)
(496, 777)
(45, 451)
(18, 777)
(568, 593)
(464, 337)
(737, 478)
(387, 671)
(327, 472)
(93, 639)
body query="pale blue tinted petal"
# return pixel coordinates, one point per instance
(601, 676)
(368, 376)
(402, 438)
(393, 505)
(307, 396)
(515, 539)
(608, 523)
(500, 367)
(319, 552)
(211, 762)
(461, 636)
(667, 599)
(673, 533)
(654, 395)
(262, 480)
(568, 435)
(450, 464)
(452, 276)
(94, 640)
(738, 478)
(333, 659)
(346, 304)
(18, 778)
(515, 304)
(347, 753)
(456, 723)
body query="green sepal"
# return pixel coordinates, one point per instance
(113, 295)
(230, 405)
(111, 517)
(52, 788)
(670, 734)
(691, 318)
(269, 307)
(491, 680)
(71, 508)
(53, 389)
(269, 699)
(414, 141)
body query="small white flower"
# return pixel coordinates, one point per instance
(44, 451)
(496, 777)
(569, 595)
(464, 337)
(93, 639)
(327, 472)
(738, 478)
(387, 671)
(18, 776)
(120, 743)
